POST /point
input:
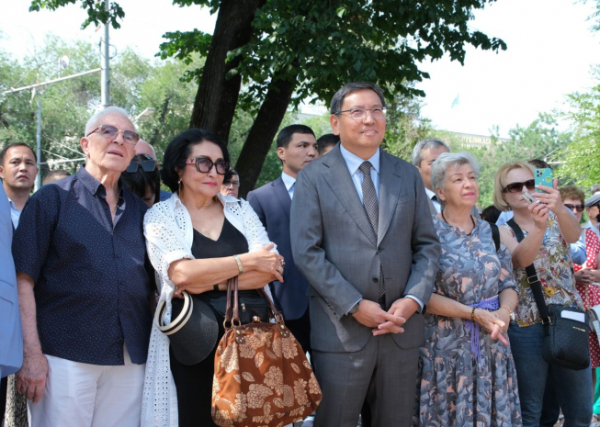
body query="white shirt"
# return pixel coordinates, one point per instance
(169, 237)
(15, 214)
(436, 204)
(353, 163)
(289, 182)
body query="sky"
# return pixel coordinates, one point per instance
(551, 51)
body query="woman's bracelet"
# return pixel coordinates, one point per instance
(239, 264)
(473, 315)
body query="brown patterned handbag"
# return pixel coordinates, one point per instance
(262, 377)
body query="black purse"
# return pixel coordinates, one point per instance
(565, 338)
(252, 305)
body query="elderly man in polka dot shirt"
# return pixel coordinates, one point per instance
(85, 288)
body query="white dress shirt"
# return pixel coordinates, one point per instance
(436, 204)
(289, 182)
(15, 214)
(353, 163)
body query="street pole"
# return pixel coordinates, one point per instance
(105, 61)
(38, 142)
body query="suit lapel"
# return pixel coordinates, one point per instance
(339, 180)
(282, 196)
(389, 189)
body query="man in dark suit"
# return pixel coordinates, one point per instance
(363, 237)
(296, 147)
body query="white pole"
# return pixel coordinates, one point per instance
(105, 63)
(38, 141)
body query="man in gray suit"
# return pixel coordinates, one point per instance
(363, 237)
(423, 156)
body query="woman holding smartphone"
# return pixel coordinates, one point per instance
(548, 228)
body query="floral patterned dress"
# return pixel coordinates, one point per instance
(591, 294)
(454, 388)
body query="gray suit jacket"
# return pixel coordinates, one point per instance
(11, 337)
(335, 248)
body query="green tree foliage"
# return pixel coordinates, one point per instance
(581, 156)
(278, 52)
(137, 83)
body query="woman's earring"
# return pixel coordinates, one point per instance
(180, 184)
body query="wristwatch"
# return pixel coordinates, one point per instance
(354, 309)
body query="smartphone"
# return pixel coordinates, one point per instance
(543, 176)
(528, 197)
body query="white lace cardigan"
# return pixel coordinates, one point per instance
(169, 236)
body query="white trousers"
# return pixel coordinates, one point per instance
(83, 395)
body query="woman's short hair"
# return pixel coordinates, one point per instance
(500, 182)
(139, 181)
(571, 192)
(179, 150)
(450, 160)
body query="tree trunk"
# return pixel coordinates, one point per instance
(217, 95)
(263, 132)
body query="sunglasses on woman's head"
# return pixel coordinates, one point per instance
(205, 164)
(148, 165)
(517, 187)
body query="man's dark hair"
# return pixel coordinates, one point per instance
(179, 150)
(286, 134)
(325, 141)
(229, 176)
(539, 164)
(55, 175)
(15, 144)
(338, 99)
(139, 181)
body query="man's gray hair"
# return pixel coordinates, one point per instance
(338, 99)
(426, 144)
(91, 123)
(450, 160)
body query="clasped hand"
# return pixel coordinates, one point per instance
(384, 322)
(495, 323)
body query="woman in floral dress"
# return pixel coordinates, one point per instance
(467, 375)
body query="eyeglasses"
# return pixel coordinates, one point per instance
(517, 187)
(205, 164)
(361, 113)
(148, 165)
(233, 184)
(108, 131)
(574, 207)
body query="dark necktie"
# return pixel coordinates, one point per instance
(371, 206)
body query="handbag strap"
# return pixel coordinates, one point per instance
(232, 314)
(532, 277)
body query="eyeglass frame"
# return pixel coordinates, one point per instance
(531, 186)
(119, 131)
(362, 117)
(194, 160)
(143, 164)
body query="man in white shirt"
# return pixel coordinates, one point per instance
(423, 156)
(296, 147)
(18, 170)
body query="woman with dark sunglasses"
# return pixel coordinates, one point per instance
(142, 178)
(548, 227)
(196, 241)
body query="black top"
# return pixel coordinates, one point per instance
(231, 242)
(93, 282)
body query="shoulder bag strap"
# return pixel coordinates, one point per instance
(495, 235)
(532, 278)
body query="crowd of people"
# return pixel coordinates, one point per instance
(414, 309)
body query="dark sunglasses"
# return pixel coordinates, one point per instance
(205, 164)
(147, 165)
(109, 131)
(574, 207)
(517, 187)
